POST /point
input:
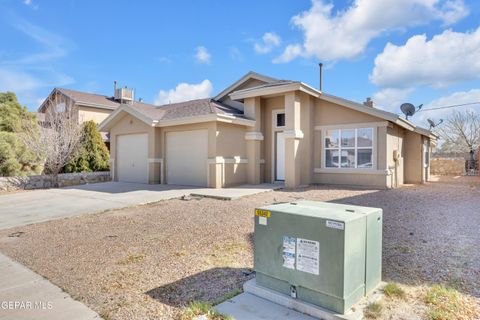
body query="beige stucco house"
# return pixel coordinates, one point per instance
(86, 106)
(261, 129)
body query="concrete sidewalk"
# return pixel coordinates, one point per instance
(24, 295)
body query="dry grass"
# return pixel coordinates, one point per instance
(373, 310)
(448, 304)
(196, 309)
(149, 262)
(393, 290)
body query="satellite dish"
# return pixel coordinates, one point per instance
(409, 109)
(433, 124)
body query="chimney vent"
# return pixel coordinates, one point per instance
(368, 102)
(320, 84)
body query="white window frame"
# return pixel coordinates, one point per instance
(275, 114)
(356, 148)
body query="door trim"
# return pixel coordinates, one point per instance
(274, 141)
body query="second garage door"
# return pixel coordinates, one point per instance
(187, 153)
(132, 158)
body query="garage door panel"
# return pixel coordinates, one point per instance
(187, 153)
(132, 158)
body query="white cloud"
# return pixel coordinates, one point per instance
(390, 99)
(202, 55)
(185, 92)
(270, 40)
(332, 35)
(447, 58)
(30, 3)
(291, 52)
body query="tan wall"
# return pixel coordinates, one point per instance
(95, 114)
(413, 157)
(268, 105)
(395, 143)
(231, 146)
(448, 166)
(131, 125)
(331, 114)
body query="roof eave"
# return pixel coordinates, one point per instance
(206, 118)
(107, 124)
(96, 105)
(245, 78)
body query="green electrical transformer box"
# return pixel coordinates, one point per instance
(326, 254)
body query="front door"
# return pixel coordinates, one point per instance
(280, 157)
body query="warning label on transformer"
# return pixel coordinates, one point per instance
(308, 256)
(289, 245)
(301, 254)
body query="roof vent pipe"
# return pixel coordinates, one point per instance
(368, 102)
(320, 85)
(114, 88)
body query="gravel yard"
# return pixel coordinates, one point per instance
(148, 261)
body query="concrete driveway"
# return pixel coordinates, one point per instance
(24, 208)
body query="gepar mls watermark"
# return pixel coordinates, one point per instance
(26, 305)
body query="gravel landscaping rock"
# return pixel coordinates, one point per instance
(146, 262)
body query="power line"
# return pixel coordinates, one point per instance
(450, 106)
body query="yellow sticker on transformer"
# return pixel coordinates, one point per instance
(262, 213)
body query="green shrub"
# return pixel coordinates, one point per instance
(93, 154)
(15, 158)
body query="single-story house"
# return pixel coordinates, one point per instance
(261, 129)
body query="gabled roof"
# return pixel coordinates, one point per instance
(85, 99)
(282, 86)
(242, 80)
(200, 109)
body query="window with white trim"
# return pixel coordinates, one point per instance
(349, 148)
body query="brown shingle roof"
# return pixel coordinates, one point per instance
(192, 108)
(90, 98)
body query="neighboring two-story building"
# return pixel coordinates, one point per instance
(86, 106)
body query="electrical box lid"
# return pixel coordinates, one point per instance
(334, 211)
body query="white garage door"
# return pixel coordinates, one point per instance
(187, 153)
(132, 158)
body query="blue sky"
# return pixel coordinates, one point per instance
(420, 51)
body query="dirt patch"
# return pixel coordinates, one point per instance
(149, 261)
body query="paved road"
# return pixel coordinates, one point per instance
(26, 295)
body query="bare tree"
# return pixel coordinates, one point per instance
(56, 139)
(461, 132)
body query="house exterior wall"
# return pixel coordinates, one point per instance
(83, 113)
(329, 115)
(96, 115)
(395, 146)
(268, 106)
(231, 155)
(240, 154)
(413, 157)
